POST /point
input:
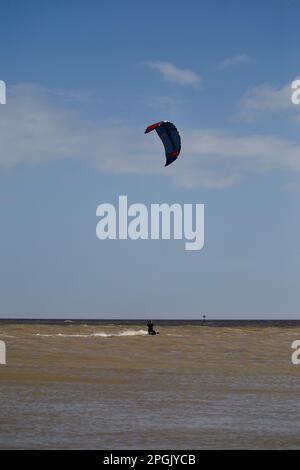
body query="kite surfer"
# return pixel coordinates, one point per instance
(151, 331)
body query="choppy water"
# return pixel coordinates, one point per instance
(76, 385)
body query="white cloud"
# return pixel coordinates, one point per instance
(292, 187)
(266, 99)
(172, 73)
(224, 158)
(239, 59)
(35, 129)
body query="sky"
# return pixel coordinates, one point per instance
(84, 79)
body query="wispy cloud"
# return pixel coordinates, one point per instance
(226, 158)
(164, 104)
(292, 187)
(263, 99)
(35, 129)
(239, 59)
(172, 73)
(75, 96)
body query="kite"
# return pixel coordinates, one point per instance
(170, 137)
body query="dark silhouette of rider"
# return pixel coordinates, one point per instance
(150, 328)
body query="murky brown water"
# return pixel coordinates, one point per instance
(110, 386)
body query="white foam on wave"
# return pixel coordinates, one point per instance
(133, 333)
(103, 335)
(175, 334)
(62, 335)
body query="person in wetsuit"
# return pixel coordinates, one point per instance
(150, 328)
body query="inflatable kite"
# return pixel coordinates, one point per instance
(170, 137)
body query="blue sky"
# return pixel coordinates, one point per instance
(84, 79)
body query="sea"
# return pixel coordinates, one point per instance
(79, 384)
